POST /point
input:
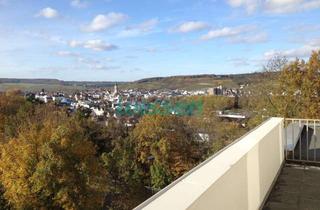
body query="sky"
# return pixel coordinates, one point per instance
(127, 40)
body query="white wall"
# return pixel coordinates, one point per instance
(237, 178)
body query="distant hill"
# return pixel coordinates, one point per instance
(191, 82)
(50, 84)
(56, 82)
(32, 81)
(188, 82)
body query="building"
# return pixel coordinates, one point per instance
(268, 168)
(115, 91)
(216, 91)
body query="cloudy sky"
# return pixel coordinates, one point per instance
(125, 40)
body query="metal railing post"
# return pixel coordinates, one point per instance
(286, 140)
(315, 139)
(307, 140)
(292, 138)
(300, 141)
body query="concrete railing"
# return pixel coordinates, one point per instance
(239, 177)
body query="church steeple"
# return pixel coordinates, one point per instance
(115, 92)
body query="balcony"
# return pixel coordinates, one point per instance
(268, 168)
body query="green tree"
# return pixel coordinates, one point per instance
(126, 187)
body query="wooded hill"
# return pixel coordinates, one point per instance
(189, 82)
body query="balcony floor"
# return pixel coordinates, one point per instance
(297, 187)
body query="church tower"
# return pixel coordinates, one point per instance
(115, 92)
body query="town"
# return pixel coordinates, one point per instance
(129, 104)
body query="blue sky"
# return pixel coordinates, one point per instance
(125, 40)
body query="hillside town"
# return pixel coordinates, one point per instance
(128, 104)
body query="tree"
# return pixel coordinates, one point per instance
(12, 111)
(275, 64)
(52, 166)
(264, 89)
(287, 89)
(300, 88)
(4, 205)
(212, 104)
(126, 188)
(165, 149)
(117, 154)
(310, 90)
(289, 98)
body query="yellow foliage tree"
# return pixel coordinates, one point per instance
(299, 94)
(52, 166)
(288, 89)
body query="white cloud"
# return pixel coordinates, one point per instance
(75, 43)
(99, 45)
(95, 44)
(48, 13)
(103, 22)
(67, 54)
(190, 26)
(226, 32)
(301, 52)
(315, 42)
(302, 28)
(140, 29)
(147, 25)
(78, 4)
(289, 6)
(249, 5)
(255, 38)
(276, 6)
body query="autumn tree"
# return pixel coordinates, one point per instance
(13, 111)
(310, 90)
(300, 88)
(165, 149)
(292, 90)
(117, 154)
(212, 104)
(52, 166)
(4, 204)
(264, 90)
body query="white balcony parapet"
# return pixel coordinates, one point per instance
(238, 177)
